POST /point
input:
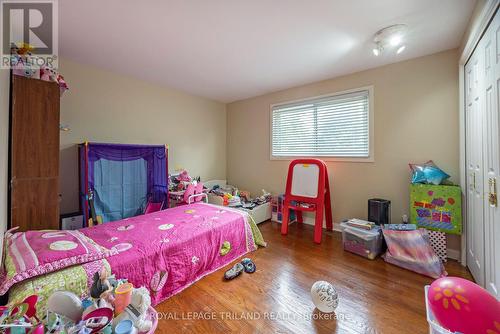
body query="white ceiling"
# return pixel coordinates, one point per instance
(229, 50)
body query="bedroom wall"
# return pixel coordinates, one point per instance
(106, 107)
(4, 148)
(416, 119)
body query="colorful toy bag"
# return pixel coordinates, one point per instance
(436, 207)
(411, 250)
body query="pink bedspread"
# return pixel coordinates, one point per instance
(167, 251)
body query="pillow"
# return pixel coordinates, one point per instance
(34, 253)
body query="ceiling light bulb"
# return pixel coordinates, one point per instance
(401, 49)
(376, 51)
(395, 40)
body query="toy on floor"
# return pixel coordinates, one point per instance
(67, 304)
(66, 313)
(102, 289)
(324, 296)
(21, 318)
(136, 311)
(463, 306)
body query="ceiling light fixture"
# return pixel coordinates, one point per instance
(389, 38)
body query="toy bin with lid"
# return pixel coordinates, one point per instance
(367, 243)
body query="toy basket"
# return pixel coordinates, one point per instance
(434, 327)
(153, 316)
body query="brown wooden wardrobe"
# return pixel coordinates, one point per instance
(34, 154)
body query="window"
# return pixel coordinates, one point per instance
(336, 126)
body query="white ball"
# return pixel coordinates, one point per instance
(324, 296)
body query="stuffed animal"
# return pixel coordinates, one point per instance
(137, 310)
(47, 74)
(101, 290)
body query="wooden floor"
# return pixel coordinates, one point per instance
(375, 297)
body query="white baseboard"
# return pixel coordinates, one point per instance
(453, 254)
(311, 221)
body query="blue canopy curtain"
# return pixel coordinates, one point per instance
(122, 178)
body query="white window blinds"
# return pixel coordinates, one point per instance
(334, 126)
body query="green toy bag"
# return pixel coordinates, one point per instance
(436, 207)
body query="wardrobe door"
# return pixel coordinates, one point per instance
(491, 49)
(474, 158)
(34, 185)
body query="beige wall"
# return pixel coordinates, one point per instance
(106, 107)
(4, 132)
(416, 119)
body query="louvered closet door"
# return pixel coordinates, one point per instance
(490, 46)
(474, 158)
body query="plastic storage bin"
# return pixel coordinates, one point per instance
(367, 243)
(434, 327)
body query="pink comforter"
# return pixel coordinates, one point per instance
(168, 250)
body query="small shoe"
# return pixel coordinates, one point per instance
(249, 265)
(235, 271)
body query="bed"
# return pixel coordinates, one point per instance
(165, 251)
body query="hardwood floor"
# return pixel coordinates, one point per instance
(374, 296)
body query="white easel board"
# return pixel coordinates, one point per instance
(305, 180)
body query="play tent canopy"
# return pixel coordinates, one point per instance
(122, 178)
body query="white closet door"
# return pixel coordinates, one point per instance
(490, 44)
(474, 158)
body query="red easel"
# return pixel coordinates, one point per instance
(308, 189)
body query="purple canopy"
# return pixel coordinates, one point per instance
(156, 157)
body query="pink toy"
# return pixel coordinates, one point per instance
(48, 74)
(98, 319)
(184, 177)
(463, 306)
(198, 190)
(190, 191)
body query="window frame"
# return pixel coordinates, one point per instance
(371, 123)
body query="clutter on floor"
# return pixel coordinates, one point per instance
(379, 211)
(277, 210)
(259, 208)
(366, 241)
(114, 306)
(457, 305)
(246, 265)
(324, 296)
(436, 207)
(411, 250)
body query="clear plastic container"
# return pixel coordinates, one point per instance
(434, 327)
(367, 243)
